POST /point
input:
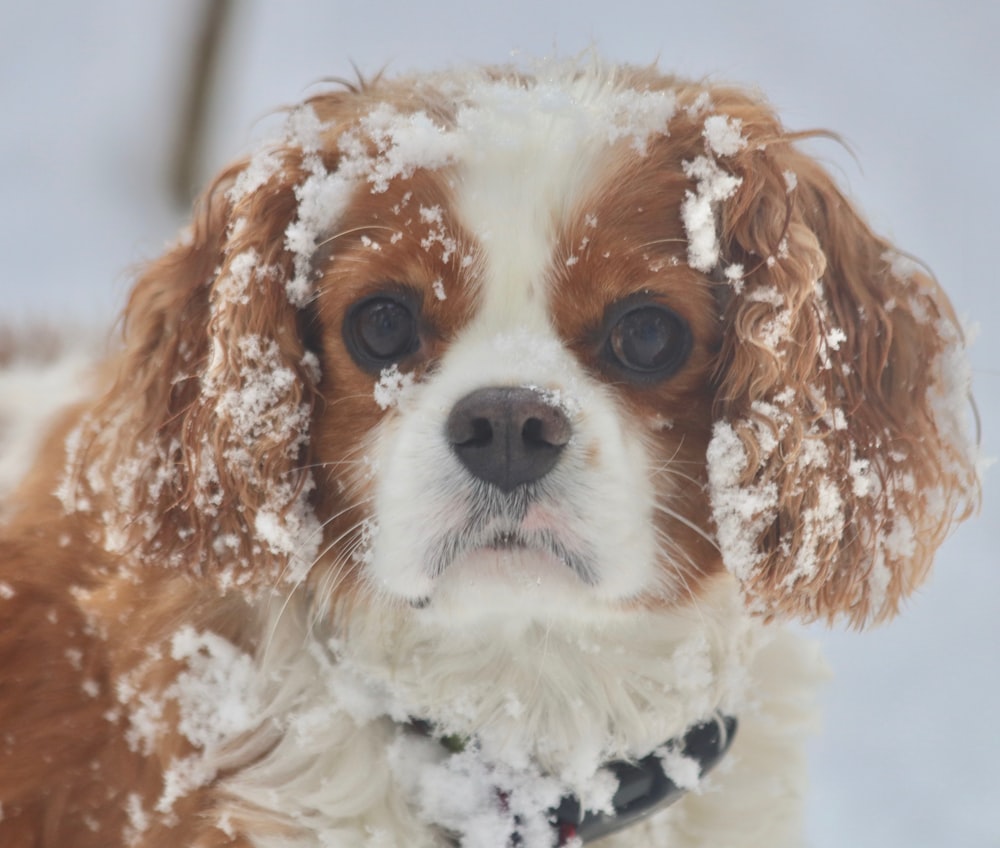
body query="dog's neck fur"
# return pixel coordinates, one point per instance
(331, 761)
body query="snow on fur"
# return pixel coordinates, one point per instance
(745, 500)
(388, 144)
(713, 185)
(261, 408)
(340, 699)
(723, 135)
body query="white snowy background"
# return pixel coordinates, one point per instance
(89, 101)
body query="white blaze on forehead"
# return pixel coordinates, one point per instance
(532, 154)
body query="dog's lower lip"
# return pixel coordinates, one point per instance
(510, 545)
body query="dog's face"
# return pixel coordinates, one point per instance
(523, 359)
(548, 346)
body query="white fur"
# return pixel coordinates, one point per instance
(423, 493)
(335, 707)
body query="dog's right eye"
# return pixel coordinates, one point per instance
(381, 330)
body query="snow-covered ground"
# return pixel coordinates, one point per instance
(89, 103)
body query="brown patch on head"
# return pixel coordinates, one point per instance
(217, 400)
(822, 360)
(626, 247)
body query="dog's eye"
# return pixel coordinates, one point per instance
(381, 330)
(650, 342)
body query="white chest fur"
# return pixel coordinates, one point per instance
(331, 762)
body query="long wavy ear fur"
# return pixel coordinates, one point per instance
(198, 456)
(840, 456)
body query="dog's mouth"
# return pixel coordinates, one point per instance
(512, 550)
(539, 543)
(514, 553)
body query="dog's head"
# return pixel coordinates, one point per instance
(555, 344)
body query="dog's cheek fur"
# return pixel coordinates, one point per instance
(379, 246)
(633, 244)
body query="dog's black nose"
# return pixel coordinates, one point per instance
(507, 436)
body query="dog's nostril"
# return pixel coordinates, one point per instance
(481, 434)
(507, 436)
(531, 432)
(467, 430)
(551, 430)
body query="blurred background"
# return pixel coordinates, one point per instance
(113, 111)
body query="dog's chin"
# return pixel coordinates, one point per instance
(516, 584)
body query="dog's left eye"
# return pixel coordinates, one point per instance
(650, 342)
(381, 330)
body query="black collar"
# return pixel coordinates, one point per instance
(643, 787)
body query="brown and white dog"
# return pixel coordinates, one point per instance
(479, 433)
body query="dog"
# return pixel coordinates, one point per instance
(457, 473)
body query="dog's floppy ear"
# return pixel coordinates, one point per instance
(840, 455)
(198, 455)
